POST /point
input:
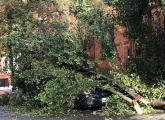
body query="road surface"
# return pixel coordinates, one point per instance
(8, 116)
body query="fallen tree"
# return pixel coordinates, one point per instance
(136, 106)
(122, 91)
(134, 96)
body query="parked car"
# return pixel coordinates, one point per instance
(93, 100)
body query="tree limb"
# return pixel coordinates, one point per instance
(136, 106)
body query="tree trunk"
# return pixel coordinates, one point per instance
(136, 106)
(136, 97)
(158, 104)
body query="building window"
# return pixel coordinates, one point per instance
(4, 82)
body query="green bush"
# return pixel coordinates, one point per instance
(59, 93)
(17, 98)
(117, 106)
(31, 81)
(4, 100)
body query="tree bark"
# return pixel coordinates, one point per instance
(135, 104)
(158, 104)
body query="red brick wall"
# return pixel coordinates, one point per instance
(122, 45)
(94, 48)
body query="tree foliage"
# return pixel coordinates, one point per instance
(46, 56)
(45, 62)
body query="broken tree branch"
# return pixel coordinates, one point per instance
(136, 106)
(159, 104)
(156, 103)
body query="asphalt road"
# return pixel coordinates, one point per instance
(8, 116)
(147, 117)
(90, 117)
(86, 117)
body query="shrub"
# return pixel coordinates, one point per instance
(4, 100)
(31, 81)
(17, 98)
(59, 93)
(117, 106)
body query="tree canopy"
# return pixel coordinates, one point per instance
(48, 42)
